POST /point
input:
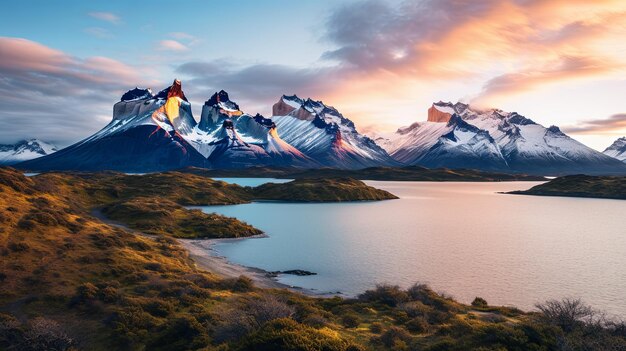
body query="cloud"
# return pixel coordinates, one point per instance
(54, 96)
(614, 124)
(565, 69)
(98, 32)
(181, 36)
(106, 16)
(255, 87)
(171, 45)
(514, 44)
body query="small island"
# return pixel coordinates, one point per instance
(580, 186)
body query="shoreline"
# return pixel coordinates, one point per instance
(206, 257)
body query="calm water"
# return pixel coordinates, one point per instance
(461, 238)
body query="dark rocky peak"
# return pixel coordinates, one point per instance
(516, 118)
(406, 130)
(228, 124)
(220, 96)
(293, 98)
(555, 131)
(266, 122)
(163, 94)
(137, 94)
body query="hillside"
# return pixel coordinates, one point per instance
(73, 282)
(321, 190)
(580, 186)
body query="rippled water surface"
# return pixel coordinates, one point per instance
(461, 238)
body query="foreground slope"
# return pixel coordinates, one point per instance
(73, 282)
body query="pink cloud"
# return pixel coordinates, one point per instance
(171, 45)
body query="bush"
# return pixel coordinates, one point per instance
(250, 315)
(394, 336)
(315, 320)
(479, 302)
(390, 295)
(45, 334)
(418, 325)
(287, 334)
(567, 313)
(350, 320)
(416, 309)
(86, 291)
(376, 328)
(241, 284)
(184, 333)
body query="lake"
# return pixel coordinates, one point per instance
(464, 239)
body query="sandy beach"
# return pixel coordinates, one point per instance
(205, 256)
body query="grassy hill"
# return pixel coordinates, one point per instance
(580, 186)
(320, 190)
(69, 281)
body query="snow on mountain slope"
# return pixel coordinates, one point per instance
(24, 150)
(230, 138)
(522, 144)
(133, 141)
(455, 144)
(322, 133)
(617, 149)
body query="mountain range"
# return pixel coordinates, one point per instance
(459, 136)
(305, 133)
(24, 150)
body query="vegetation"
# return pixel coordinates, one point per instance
(70, 281)
(581, 186)
(321, 190)
(164, 217)
(409, 173)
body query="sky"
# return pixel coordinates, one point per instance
(381, 63)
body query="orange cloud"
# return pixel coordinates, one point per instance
(613, 125)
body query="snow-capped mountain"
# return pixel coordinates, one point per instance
(24, 150)
(133, 141)
(457, 136)
(617, 149)
(229, 138)
(324, 134)
(140, 140)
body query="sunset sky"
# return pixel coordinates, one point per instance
(381, 63)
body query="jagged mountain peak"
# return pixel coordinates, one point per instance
(137, 94)
(458, 135)
(617, 149)
(221, 98)
(25, 150)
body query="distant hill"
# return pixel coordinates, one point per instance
(581, 186)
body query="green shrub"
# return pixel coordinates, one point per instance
(418, 325)
(183, 333)
(376, 328)
(350, 320)
(479, 302)
(390, 295)
(394, 336)
(287, 334)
